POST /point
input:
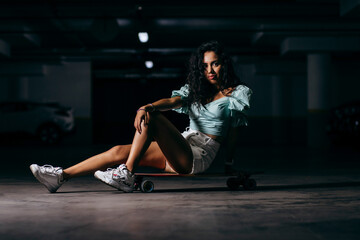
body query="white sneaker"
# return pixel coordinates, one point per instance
(120, 178)
(51, 177)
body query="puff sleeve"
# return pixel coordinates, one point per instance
(183, 92)
(239, 101)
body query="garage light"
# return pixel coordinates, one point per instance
(143, 37)
(149, 64)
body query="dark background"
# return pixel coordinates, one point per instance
(301, 59)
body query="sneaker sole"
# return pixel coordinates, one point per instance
(120, 187)
(34, 170)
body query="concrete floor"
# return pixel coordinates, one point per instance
(317, 202)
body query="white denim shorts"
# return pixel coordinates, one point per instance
(203, 147)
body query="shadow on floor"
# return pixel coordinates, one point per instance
(266, 188)
(223, 189)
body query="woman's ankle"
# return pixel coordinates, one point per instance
(66, 176)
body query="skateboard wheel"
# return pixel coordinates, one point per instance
(147, 186)
(233, 183)
(249, 184)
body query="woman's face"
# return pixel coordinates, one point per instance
(212, 67)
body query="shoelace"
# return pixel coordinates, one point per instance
(51, 169)
(121, 174)
(111, 171)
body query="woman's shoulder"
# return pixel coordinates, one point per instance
(183, 91)
(239, 98)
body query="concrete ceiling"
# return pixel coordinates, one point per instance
(105, 32)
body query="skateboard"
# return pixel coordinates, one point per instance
(233, 182)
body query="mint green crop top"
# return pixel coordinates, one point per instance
(216, 117)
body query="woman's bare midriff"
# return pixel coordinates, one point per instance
(216, 138)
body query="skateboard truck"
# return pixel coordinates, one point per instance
(242, 178)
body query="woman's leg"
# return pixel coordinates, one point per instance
(115, 156)
(172, 146)
(153, 157)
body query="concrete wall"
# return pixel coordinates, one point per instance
(278, 107)
(68, 83)
(279, 113)
(3, 89)
(347, 85)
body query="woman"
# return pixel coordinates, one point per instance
(214, 98)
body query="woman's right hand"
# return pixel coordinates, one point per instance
(141, 115)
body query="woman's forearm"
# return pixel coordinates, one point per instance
(164, 104)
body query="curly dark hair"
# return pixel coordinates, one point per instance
(200, 90)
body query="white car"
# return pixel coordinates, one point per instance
(48, 121)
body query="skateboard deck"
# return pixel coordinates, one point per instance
(233, 182)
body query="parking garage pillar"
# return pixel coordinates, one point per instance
(318, 88)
